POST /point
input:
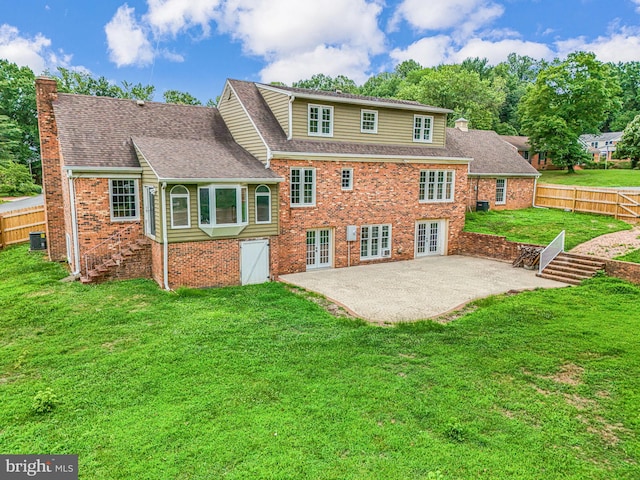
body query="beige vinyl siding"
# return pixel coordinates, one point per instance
(279, 105)
(149, 178)
(195, 234)
(240, 126)
(395, 126)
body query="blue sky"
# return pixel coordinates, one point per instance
(194, 45)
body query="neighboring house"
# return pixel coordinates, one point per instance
(538, 160)
(275, 180)
(602, 146)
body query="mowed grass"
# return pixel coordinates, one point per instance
(260, 382)
(593, 178)
(541, 225)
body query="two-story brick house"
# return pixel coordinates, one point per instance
(275, 180)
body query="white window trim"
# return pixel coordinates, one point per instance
(504, 192)
(313, 192)
(319, 133)
(136, 193)
(262, 194)
(375, 121)
(426, 183)
(212, 207)
(147, 209)
(180, 195)
(422, 129)
(380, 249)
(350, 186)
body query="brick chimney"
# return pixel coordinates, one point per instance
(46, 94)
(462, 124)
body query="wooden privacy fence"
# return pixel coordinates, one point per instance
(16, 225)
(619, 203)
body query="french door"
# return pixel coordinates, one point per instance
(430, 237)
(318, 248)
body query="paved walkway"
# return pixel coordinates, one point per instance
(23, 202)
(416, 289)
(610, 245)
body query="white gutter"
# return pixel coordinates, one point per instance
(367, 158)
(291, 99)
(221, 180)
(74, 224)
(503, 175)
(165, 242)
(87, 169)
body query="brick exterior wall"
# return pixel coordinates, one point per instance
(489, 246)
(214, 263)
(519, 194)
(383, 193)
(156, 263)
(52, 178)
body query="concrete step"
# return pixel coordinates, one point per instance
(559, 278)
(576, 274)
(580, 260)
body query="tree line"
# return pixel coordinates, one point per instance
(551, 102)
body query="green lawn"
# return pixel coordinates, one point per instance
(541, 225)
(593, 178)
(259, 382)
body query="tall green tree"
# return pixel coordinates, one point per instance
(569, 98)
(629, 144)
(628, 75)
(327, 83)
(18, 106)
(71, 81)
(182, 98)
(456, 88)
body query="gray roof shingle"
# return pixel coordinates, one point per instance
(179, 141)
(491, 154)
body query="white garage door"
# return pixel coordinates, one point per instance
(254, 261)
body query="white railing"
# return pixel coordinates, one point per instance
(104, 250)
(551, 251)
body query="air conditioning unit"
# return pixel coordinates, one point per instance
(386, 252)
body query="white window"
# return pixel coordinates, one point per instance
(320, 120)
(375, 242)
(422, 128)
(501, 191)
(180, 207)
(263, 204)
(150, 210)
(222, 206)
(369, 121)
(124, 200)
(303, 187)
(346, 179)
(436, 185)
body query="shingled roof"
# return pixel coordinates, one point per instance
(97, 132)
(491, 154)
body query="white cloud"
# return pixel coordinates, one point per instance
(282, 27)
(428, 51)
(621, 46)
(127, 41)
(464, 16)
(175, 16)
(323, 59)
(637, 2)
(31, 52)
(498, 51)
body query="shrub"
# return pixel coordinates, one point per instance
(44, 401)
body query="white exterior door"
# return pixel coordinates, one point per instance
(318, 248)
(430, 237)
(254, 261)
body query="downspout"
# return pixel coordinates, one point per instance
(291, 99)
(74, 225)
(269, 157)
(165, 236)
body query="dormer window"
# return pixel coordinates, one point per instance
(369, 121)
(320, 120)
(422, 128)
